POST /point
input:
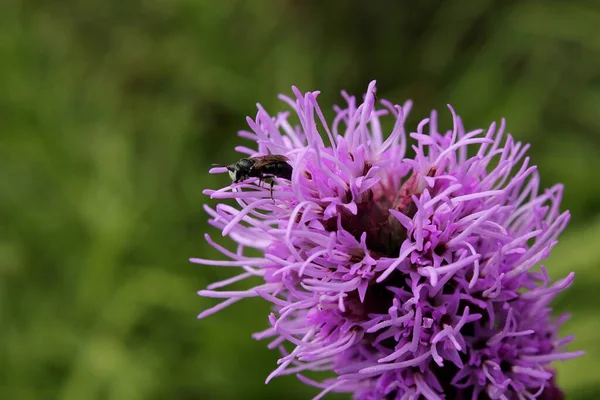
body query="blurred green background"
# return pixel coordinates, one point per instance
(112, 111)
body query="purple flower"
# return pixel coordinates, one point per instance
(405, 273)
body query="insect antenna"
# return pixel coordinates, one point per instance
(229, 167)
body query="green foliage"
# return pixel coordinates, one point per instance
(112, 111)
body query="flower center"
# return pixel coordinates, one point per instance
(378, 299)
(384, 233)
(385, 236)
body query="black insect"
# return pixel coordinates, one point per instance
(265, 168)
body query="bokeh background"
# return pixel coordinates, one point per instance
(112, 111)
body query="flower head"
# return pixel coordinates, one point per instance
(406, 273)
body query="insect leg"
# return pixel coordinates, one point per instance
(271, 181)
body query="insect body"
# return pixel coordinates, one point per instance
(265, 168)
